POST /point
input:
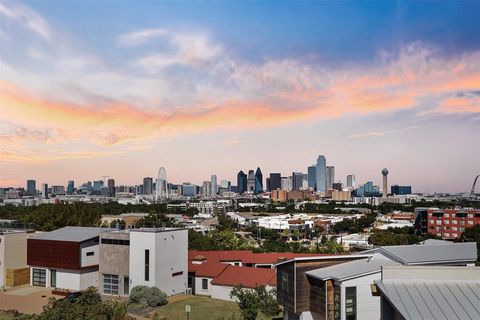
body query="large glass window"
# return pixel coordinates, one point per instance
(284, 281)
(351, 303)
(53, 278)
(336, 303)
(110, 284)
(147, 265)
(39, 277)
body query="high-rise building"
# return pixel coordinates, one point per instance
(70, 186)
(213, 181)
(147, 185)
(400, 190)
(284, 184)
(241, 182)
(330, 172)
(337, 186)
(161, 185)
(385, 182)
(251, 181)
(297, 179)
(258, 181)
(97, 187)
(31, 187)
(321, 171)
(351, 181)
(312, 177)
(57, 190)
(45, 191)
(111, 187)
(275, 181)
(206, 189)
(189, 190)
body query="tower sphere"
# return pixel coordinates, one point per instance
(385, 171)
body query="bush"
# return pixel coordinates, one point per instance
(149, 296)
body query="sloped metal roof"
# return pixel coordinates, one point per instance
(74, 234)
(433, 300)
(352, 269)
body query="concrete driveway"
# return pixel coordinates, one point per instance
(25, 299)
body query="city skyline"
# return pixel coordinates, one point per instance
(90, 90)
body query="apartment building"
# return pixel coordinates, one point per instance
(146, 256)
(65, 258)
(13, 258)
(445, 223)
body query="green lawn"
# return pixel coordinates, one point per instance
(202, 308)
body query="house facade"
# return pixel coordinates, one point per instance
(66, 258)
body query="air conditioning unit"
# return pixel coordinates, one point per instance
(188, 292)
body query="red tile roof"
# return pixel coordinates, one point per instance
(246, 276)
(207, 269)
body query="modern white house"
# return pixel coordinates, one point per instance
(65, 258)
(155, 257)
(13, 258)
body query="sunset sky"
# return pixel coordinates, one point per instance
(121, 88)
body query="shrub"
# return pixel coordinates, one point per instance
(150, 296)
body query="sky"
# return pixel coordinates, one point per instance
(121, 88)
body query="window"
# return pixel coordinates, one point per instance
(447, 221)
(447, 235)
(470, 222)
(126, 285)
(284, 281)
(110, 284)
(53, 278)
(454, 221)
(470, 215)
(116, 242)
(39, 277)
(147, 265)
(439, 222)
(351, 303)
(90, 253)
(204, 284)
(432, 221)
(179, 273)
(454, 228)
(447, 215)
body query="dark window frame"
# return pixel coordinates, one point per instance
(147, 265)
(204, 284)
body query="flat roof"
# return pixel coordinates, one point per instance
(73, 234)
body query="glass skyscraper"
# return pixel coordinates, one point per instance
(321, 169)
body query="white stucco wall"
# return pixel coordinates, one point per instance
(67, 279)
(198, 286)
(368, 306)
(221, 292)
(89, 279)
(168, 255)
(13, 253)
(85, 260)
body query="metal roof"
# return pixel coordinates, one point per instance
(433, 300)
(435, 253)
(74, 234)
(352, 269)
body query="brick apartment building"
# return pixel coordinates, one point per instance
(445, 223)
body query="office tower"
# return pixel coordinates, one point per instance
(56, 190)
(189, 190)
(45, 191)
(70, 186)
(258, 181)
(330, 171)
(111, 187)
(284, 183)
(297, 180)
(312, 177)
(337, 186)
(206, 189)
(251, 181)
(321, 171)
(385, 183)
(241, 182)
(213, 181)
(275, 181)
(161, 185)
(351, 181)
(400, 190)
(31, 187)
(97, 186)
(147, 185)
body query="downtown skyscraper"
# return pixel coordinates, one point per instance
(321, 169)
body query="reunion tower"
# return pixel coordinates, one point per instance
(385, 183)
(161, 190)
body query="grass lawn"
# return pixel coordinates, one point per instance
(201, 308)
(5, 316)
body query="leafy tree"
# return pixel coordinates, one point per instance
(147, 296)
(251, 301)
(473, 234)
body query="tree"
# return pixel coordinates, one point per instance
(251, 301)
(473, 234)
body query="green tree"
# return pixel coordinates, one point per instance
(251, 301)
(473, 234)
